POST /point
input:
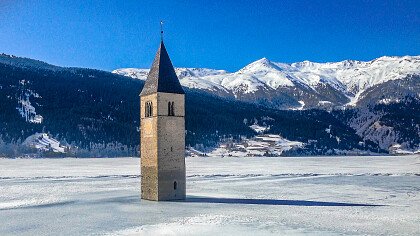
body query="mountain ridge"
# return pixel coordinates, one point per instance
(337, 83)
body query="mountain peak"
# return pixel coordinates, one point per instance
(263, 61)
(333, 83)
(258, 65)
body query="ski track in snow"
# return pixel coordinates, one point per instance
(247, 196)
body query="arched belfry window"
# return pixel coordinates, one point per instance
(171, 109)
(148, 109)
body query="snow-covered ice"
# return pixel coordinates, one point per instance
(247, 196)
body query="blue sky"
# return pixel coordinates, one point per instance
(214, 34)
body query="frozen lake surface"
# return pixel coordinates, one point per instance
(246, 196)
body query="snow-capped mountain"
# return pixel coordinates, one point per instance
(195, 78)
(181, 72)
(95, 113)
(358, 76)
(303, 85)
(298, 85)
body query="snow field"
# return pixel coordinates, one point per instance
(248, 195)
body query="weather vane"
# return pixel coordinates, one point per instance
(161, 30)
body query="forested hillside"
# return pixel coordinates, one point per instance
(96, 113)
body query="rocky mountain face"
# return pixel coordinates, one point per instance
(394, 126)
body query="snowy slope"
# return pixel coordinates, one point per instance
(25, 107)
(305, 81)
(133, 73)
(259, 146)
(351, 76)
(357, 76)
(44, 142)
(195, 78)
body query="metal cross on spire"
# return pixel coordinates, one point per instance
(161, 30)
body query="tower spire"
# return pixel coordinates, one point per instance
(161, 30)
(162, 76)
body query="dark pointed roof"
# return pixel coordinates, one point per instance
(162, 77)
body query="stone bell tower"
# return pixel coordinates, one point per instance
(162, 122)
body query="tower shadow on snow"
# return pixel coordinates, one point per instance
(273, 202)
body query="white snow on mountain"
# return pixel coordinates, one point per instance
(398, 149)
(357, 76)
(260, 145)
(195, 78)
(349, 77)
(133, 73)
(302, 105)
(272, 74)
(44, 142)
(197, 72)
(26, 109)
(258, 128)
